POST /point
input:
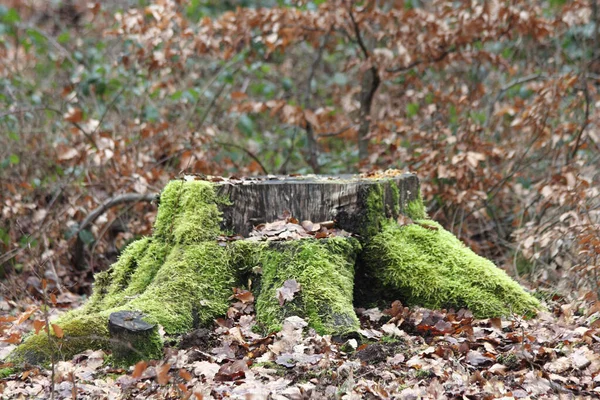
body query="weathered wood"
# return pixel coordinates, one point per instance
(343, 199)
(130, 336)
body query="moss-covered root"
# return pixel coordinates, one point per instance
(78, 334)
(324, 269)
(190, 288)
(428, 266)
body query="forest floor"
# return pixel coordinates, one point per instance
(400, 353)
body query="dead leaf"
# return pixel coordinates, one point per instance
(287, 291)
(58, 331)
(232, 371)
(139, 369)
(74, 115)
(477, 359)
(162, 374)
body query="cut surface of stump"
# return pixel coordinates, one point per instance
(131, 337)
(181, 278)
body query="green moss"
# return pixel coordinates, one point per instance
(129, 348)
(395, 191)
(190, 289)
(325, 271)
(180, 278)
(6, 372)
(509, 359)
(188, 213)
(416, 209)
(375, 210)
(79, 334)
(277, 369)
(432, 268)
(388, 339)
(424, 374)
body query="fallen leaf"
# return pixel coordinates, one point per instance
(162, 374)
(477, 359)
(287, 291)
(232, 371)
(139, 369)
(58, 331)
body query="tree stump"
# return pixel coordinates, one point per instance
(356, 204)
(336, 230)
(132, 338)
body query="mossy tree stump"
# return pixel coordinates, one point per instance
(181, 277)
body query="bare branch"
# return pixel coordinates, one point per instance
(338, 132)
(359, 39)
(313, 151)
(506, 88)
(369, 85)
(108, 204)
(245, 150)
(586, 120)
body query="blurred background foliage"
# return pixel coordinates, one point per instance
(493, 104)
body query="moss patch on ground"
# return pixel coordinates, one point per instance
(425, 265)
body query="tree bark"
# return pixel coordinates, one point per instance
(343, 199)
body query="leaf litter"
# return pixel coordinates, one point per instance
(399, 352)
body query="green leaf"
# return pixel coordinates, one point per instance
(287, 83)
(11, 16)
(340, 79)
(4, 236)
(63, 37)
(412, 109)
(177, 95)
(14, 159)
(246, 125)
(86, 236)
(37, 37)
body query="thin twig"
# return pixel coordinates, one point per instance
(245, 150)
(209, 107)
(506, 88)
(586, 121)
(284, 164)
(313, 151)
(415, 63)
(338, 132)
(369, 85)
(51, 39)
(212, 80)
(21, 111)
(357, 34)
(112, 202)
